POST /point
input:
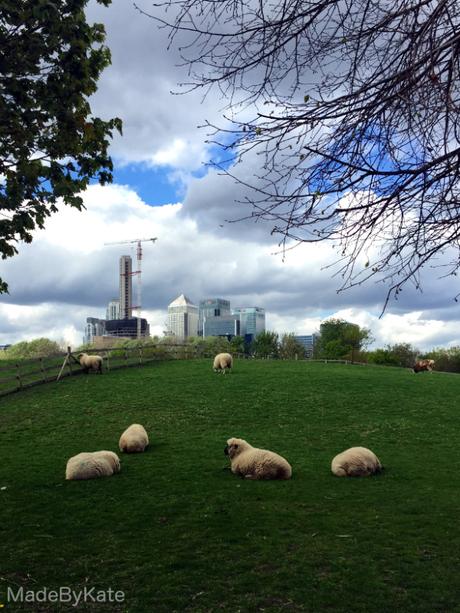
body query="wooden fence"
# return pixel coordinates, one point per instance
(17, 375)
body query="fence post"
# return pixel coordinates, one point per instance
(108, 360)
(140, 355)
(126, 357)
(69, 361)
(18, 376)
(43, 370)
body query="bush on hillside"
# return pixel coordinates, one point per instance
(38, 348)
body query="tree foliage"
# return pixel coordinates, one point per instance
(38, 348)
(339, 338)
(51, 145)
(265, 345)
(290, 348)
(356, 120)
(399, 354)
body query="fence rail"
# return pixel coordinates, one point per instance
(17, 375)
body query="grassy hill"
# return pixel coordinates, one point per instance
(175, 530)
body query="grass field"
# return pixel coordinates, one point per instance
(176, 531)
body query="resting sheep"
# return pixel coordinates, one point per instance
(356, 462)
(134, 439)
(223, 362)
(90, 362)
(421, 365)
(252, 463)
(91, 465)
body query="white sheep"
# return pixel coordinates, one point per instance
(90, 362)
(252, 463)
(356, 462)
(222, 362)
(134, 439)
(91, 465)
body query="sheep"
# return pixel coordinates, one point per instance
(421, 365)
(356, 462)
(223, 362)
(134, 439)
(252, 463)
(90, 362)
(91, 465)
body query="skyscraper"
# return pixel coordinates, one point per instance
(126, 287)
(212, 307)
(182, 317)
(252, 320)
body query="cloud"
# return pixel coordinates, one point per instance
(158, 127)
(68, 274)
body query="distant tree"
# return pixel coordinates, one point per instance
(361, 100)
(38, 348)
(404, 353)
(216, 344)
(237, 344)
(400, 354)
(383, 357)
(356, 338)
(447, 360)
(339, 338)
(290, 348)
(51, 146)
(265, 345)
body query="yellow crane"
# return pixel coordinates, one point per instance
(137, 272)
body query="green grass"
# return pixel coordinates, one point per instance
(176, 531)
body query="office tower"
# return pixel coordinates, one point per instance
(252, 320)
(182, 318)
(212, 307)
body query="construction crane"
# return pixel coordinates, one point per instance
(138, 273)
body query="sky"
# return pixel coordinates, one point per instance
(164, 188)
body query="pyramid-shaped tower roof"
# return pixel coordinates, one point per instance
(181, 300)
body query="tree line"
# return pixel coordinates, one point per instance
(337, 339)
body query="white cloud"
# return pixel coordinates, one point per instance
(67, 274)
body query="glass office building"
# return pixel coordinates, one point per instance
(212, 307)
(308, 343)
(252, 320)
(227, 325)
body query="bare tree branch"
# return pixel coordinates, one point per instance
(361, 141)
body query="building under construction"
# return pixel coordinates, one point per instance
(125, 325)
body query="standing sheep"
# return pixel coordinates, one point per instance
(356, 462)
(252, 463)
(422, 365)
(134, 439)
(91, 465)
(90, 362)
(223, 362)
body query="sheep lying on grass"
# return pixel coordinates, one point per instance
(90, 362)
(134, 439)
(252, 463)
(91, 465)
(356, 462)
(223, 362)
